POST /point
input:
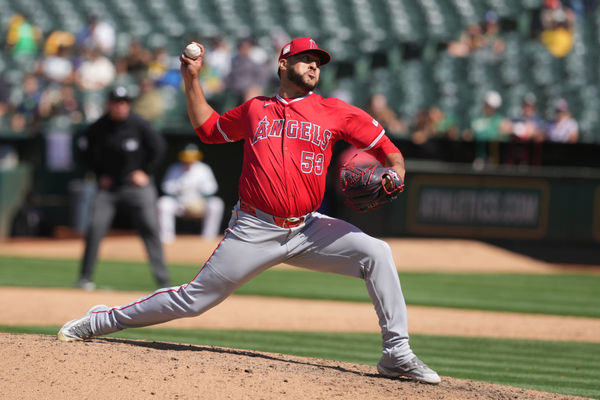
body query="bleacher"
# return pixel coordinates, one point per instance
(393, 46)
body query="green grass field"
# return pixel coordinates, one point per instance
(560, 294)
(559, 367)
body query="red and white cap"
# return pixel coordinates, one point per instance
(301, 45)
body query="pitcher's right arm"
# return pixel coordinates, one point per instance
(199, 111)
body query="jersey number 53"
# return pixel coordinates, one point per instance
(312, 163)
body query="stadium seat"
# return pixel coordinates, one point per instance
(437, 16)
(407, 25)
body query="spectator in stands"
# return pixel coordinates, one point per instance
(219, 57)
(190, 187)
(491, 33)
(487, 130)
(421, 127)
(23, 38)
(564, 128)
(558, 34)
(478, 36)
(25, 107)
(164, 68)
(122, 150)
(98, 35)
(57, 67)
(434, 123)
(217, 67)
(378, 108)
(444, 123)
(529, 125)
(95, 74)
(97, 71)
(159, 63)
(247, 77)
(527, 133)
(471, 39)
(136, 62)
(59, 101)
(58, 39)
(150, 103)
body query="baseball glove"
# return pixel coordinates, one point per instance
(364, 188)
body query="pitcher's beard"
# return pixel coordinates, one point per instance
(299, 80)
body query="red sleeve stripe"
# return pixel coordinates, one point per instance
(223, 133)
(377, 139)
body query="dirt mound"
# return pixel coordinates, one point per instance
(36, 366)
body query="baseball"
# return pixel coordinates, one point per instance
(193, 51)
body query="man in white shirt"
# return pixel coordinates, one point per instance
(190, 186)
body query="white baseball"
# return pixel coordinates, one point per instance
(193, 51)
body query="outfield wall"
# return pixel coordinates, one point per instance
(453, 200)
(442, 199)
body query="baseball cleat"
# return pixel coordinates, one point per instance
(86, 284)
(80, 328)
(414, 369)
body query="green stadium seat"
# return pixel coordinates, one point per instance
(437, 15)
(505, 8)
(469, 11)
(531, 4)
(406, 23)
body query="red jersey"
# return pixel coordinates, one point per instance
(288, 147)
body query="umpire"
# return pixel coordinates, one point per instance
(122, 149)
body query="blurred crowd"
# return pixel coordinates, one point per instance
(63, 78)
(487, 129)
(58, 80)
(492, 124)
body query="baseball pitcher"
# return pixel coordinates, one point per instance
(288, 142)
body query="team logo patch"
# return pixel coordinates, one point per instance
(375, 122)
(131, 145)
(313, 45)
(286, 49)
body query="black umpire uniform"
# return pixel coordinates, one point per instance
(122, 149)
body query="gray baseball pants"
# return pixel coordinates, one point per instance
(141, 206)
(251, 245)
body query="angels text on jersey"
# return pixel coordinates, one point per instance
(293, 129)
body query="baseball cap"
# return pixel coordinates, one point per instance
(491, 16)
(119, 93)
(493, 99)
(190, 153)
(301, 45)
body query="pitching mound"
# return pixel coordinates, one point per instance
(41, 367)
